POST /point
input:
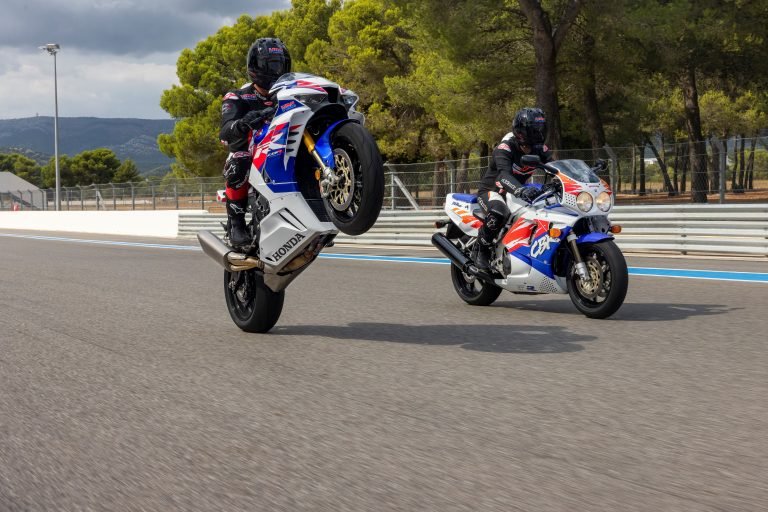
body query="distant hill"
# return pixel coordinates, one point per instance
(40, 158)
(128, 138)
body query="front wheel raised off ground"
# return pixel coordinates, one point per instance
(354, 202)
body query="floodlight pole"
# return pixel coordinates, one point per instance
(53, 49)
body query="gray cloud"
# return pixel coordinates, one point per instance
(117, 56)
(121, 27)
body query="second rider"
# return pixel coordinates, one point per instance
(506, 174)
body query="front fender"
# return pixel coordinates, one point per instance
(591, 238)
(323, 144)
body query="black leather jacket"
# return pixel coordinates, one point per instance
(236, 104)
(505, 167)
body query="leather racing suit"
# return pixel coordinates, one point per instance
(505, 174)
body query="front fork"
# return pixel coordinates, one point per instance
(580, 267)
(329, 178)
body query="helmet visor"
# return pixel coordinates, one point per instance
(537, 132)
(275, 66)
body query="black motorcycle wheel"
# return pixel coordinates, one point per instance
(472, 290)
(605, 293)
(355, 201)
(252, 306)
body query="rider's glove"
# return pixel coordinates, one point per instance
(253, 119)
(527, 193)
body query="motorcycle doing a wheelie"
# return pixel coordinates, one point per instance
(562, 242)
(316, 171)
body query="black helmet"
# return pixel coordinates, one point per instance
(268, 59)
(530, 127)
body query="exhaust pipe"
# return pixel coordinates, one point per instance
(453, 253)
(222, 254)
(458, 258)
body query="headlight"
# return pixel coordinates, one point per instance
(349, 99)
(584, 201)
(604, 201)
(312, 100)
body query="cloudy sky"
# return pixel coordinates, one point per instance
(117, 56)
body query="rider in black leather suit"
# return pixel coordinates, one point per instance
(506, 174)
(243, 111)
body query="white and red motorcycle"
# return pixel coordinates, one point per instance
(562, 242)
(316, 171)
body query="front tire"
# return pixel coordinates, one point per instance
(605, 293)
(251, 304)
(355, 201)
(472, 290)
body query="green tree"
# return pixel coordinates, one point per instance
(306, 22)
(94, 166)
(548, 37)
(206, 73)
(23, 167)
(66, 176)
(126, 173)
(691, 40)
(469, 73)
(216, 65)
(91, 166)
(368, 44)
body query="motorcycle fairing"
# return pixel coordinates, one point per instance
(464, 213)
(274, 148)
(291, 224)
(518, 235)
(572, 188)
(268, 158)
(289, 227)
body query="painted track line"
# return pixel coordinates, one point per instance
(678, 273)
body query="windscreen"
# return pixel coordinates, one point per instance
(290, 78)
(576, 169)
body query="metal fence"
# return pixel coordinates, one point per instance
(168, 194)
(632, 173)
(733, 229)
(424, 185)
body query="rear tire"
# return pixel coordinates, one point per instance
(354, 204)
(606, 292)
(252, 306)
(472, 290)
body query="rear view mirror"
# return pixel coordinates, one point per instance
(531, 160)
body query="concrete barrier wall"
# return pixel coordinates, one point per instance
(163, 223)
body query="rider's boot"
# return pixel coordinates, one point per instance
(484, 249)
(238, 232)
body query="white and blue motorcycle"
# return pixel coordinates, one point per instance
(316, 171)
(562, 242)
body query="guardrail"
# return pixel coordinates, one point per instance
(737, 229)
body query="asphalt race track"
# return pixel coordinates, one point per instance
(124, 385)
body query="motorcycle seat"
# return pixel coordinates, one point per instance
(468, 198)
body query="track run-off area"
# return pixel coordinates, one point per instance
(124, 385)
